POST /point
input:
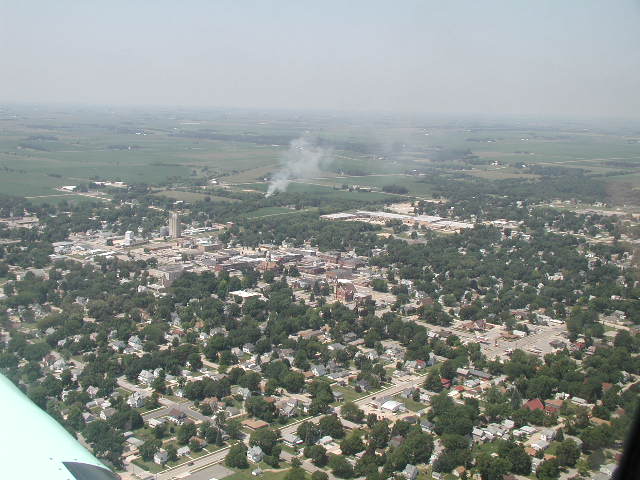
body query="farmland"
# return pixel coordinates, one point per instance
(44, 149)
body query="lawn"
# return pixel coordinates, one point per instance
(246, 474)
(349, 393)
(144, 434)
(148, 466)
(411, 404)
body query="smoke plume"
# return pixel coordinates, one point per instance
(302, 160)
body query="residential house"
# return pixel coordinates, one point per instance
(184, 451)
(338, 396)
(134, 442)
(176, 416)
(135, 343)
(318, 370)
(107, 413)
(137, 399)
(410, 472)
(534, 404)
(244, 392)
(254, 424)
(480, 374)
(154, 422)
(255, 454)
(334, 347)
(161, 457)
(117, 345)
(427, 426)
(553, 405)
(364, 385)
(291, 440)
(88, 417)
(92, 391)
(345, 292)
(145, 377)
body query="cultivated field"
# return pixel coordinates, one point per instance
(43, 149)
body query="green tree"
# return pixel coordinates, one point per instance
(568, 453)
(596, 459)
(340, 467)
(548, 470)
(308, 432)
(520, 460)
(448, 369)
(331, 425)
(233, 427)
(158, 384)
(350, 411)
(260, 408)
(149, 448)
(379, 285)
(295, 473)
(317, 454)
(594, 438)
(172, 453)
(185, 432)
(419, 447)
(352, 444)
(237, 456)
(293, 382)
(319, 475)
(432, 382)
(194, 445)
(380, 434)
(265, 438)
(492, 468)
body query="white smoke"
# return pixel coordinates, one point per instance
(302, 160)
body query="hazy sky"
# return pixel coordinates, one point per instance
(560, 57)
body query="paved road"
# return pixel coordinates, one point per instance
(200, 464)
(212, 471)
(160, 412)
(124, 383)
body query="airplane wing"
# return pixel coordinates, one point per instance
(36, 447)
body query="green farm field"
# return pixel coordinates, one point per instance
(42, 149)
(191, 196)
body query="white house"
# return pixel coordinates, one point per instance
(137, 400)
(255, 454)
(161, 457)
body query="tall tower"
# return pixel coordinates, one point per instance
(174, 225)
(128, 238)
